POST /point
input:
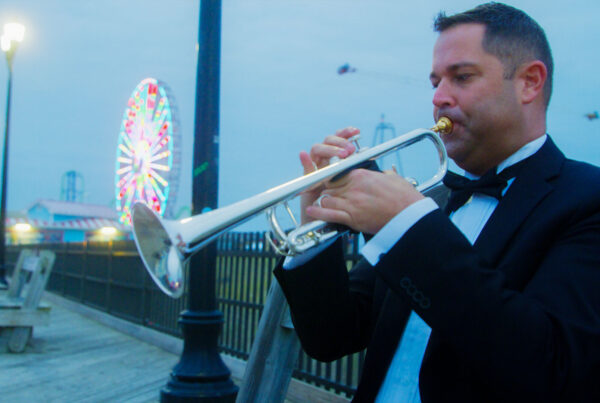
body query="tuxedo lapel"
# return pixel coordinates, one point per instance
(527, 190)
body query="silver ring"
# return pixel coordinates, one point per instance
(318, 201)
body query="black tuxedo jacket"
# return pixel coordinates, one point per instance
(514, 317)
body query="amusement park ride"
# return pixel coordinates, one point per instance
(148, 154)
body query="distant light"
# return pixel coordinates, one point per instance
(108, 231)
(5, 43)
(23, 227)
(14, 31)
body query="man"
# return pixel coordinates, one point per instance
(508, 283)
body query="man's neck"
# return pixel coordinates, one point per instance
(526, 150)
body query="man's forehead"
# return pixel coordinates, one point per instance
(468, 29)
(458, 46)
(462, 37)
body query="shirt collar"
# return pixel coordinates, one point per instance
(526, 151)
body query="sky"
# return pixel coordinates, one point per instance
(280, 92)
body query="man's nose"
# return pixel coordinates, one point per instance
(443, 96)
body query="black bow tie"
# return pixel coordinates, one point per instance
(491, 184)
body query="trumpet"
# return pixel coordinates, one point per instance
(165, 246)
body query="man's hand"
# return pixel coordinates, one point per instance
(333, 146)
(364, 200)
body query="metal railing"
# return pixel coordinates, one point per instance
(111, 277)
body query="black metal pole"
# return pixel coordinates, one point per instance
(3, 198)
(200, 374)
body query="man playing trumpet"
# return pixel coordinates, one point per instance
(505, 278)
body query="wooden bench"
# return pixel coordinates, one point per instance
(20, 307)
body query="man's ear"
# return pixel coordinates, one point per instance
(531, 77)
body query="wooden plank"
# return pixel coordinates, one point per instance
(18, 279)
(17, 303)
(18, 313)
(30, 263)
(39, 279)
(18, 338)
(273, 355)
(24, 317)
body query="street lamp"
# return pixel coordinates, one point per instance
(200, 375)
(12, 35)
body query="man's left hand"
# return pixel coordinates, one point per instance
(365, 200)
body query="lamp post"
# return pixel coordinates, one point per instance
(12, 35)
(200, 375)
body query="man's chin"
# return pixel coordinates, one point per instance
(455, 150)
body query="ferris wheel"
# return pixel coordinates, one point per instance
(148, 154)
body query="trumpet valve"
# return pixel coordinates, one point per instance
(443, 126)
(354, 140)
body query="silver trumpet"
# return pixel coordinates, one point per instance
(165, 246)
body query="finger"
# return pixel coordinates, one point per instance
(328, 215)
(331, 201)
(334, 146)
(340, 142)
(322, 153)
(307, 163)
(319, 200)
(347, 132)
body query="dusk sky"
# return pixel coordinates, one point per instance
(280, 91)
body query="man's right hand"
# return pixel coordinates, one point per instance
(336, 145)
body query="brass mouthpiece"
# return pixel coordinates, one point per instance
(443, 126)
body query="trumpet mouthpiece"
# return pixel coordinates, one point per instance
(443, 126)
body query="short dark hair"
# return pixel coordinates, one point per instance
(510, 34)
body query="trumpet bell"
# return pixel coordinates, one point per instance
(157, 250)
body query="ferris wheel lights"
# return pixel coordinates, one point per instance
(123, 170)
(160, 167)
(146, 145)
(161, 156)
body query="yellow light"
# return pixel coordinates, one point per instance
(14, 31)
(23, 227)
(108, 231)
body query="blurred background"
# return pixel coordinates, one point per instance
(291, 73)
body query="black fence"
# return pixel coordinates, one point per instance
(110, 276)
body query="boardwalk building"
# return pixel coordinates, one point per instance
(51, 221)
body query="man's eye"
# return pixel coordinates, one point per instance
(462, 77)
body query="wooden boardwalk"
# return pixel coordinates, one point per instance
(88, 356)
(77, 359)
